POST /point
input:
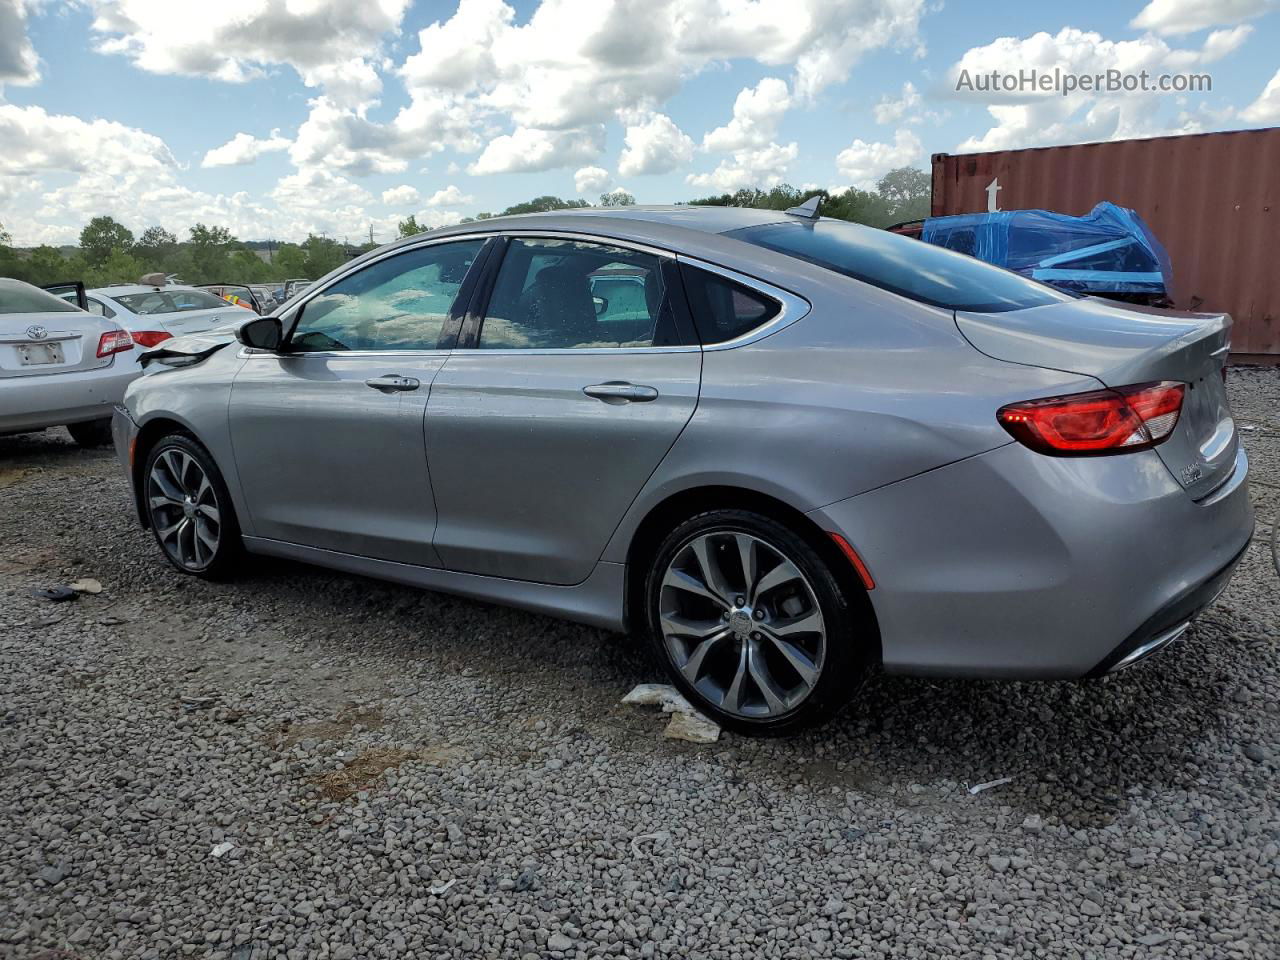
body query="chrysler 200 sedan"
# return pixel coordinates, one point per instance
(786, 449)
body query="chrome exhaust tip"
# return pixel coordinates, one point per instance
(1156, 643)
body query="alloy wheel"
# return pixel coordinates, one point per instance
(742, 624)
(184, 509)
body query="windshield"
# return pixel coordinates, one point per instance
(902, 265)
(168, 301)
(19, 297)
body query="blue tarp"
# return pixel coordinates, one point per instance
(1110, 250)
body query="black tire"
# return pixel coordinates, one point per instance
(851, 640)
(218, 562)
(91, 433)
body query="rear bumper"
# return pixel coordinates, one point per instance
(1012, 564)
(33, 403)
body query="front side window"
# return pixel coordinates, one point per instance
(400, 303)
(910, 268)
(169, 301)
(576, 295)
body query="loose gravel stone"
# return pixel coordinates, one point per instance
(403, 774)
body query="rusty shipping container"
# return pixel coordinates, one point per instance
(1211, 199)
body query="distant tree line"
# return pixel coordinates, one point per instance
(109, 252)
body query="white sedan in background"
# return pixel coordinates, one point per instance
(154, 314)
(60, 366)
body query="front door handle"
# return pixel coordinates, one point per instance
(619, 391)
(392, 383)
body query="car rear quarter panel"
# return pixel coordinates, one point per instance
(865, 390)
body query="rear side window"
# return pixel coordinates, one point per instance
(722, 309)
(19, 297)
(910, 268)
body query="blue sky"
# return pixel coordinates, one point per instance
(282, 117)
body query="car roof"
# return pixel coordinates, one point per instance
(126, 289)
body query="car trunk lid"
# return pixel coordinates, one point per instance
(1124, 345)
(32, 344)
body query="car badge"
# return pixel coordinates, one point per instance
(37, 332)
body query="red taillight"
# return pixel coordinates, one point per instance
(149, 338)
(114, 341)
(1103, 421)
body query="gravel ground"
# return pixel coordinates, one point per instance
(390, 773)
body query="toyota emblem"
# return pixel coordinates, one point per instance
(37, 332)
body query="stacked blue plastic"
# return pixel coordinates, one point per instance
(1110, 250)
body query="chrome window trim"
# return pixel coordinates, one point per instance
(793, 307)
(249, 353)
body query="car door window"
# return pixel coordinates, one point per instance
(400, 303)
(574, 295)
(722, 309)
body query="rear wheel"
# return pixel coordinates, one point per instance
(91, 433)
(189, 508)
(752, 625)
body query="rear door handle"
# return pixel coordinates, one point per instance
(392, 383)
(619, 391)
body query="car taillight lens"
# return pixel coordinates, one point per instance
(1099, 422)
(149, 338)
(114, 341)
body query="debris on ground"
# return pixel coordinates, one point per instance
(56, 594)
(686, 722)
(979, 787)
(439, 888)
(86, 585)
(361, 772)
(222, 849)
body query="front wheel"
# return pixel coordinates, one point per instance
(189, 508)
(753, 626)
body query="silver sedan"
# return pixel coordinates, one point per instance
(786, 449)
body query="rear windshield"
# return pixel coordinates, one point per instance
(168, 301)
(902, 265)
(19, 297)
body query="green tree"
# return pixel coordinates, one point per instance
(210, 251)
(409, 227)
(323, 255)
(542, 204)
(47, 265)
(120, 267)
(247, 267)
(101, 237)
(908, 192)
(289, 262)
(156, 245)
(617, 198)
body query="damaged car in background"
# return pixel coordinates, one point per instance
(787, 450)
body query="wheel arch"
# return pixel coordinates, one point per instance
(149, 434)
(664, 516)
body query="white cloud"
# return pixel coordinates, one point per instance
(762, 167)
(756, 114)
(401, 196)
(653, 144)
(1173, 17)
(1026, 118)
(330, 43)
(890, 111)
(449, 196)
(864, 163)
(19, 64)
(36, 142)
(1266, 109)
(244, 148)
(591, 179)
(526, 150)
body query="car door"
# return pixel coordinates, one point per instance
(328, 433)
(545, 423)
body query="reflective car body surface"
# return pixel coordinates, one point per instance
(543, 476)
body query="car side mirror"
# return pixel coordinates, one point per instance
(601, 304)
(264, 333)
